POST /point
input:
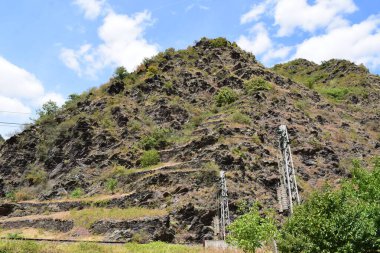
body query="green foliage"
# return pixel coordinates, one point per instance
(150, 157)
(160, 247)
(152, 71)
(337, 93)
(219, 42)
(156, 140)
(49, 108)
(225, 96)
(111, 185)
(345, 220)
(14, 236)
(10, 196)
(72, 101)
(256, 139)
(21, 247)
(240, 118)
(168, 85)
(251, 230)
(118, 171)
(256, 84)
(211, 166)
(7, 246)
(36, 176)
(77, 193)
(134, 126)
(121, 73)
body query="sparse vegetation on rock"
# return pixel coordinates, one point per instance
(163, 132)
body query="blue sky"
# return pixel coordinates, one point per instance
(52, 48)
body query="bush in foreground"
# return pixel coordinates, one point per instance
(250, 231)
(345, 220)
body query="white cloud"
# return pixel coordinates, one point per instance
(254, 14)
(71, 58)
(328, 32)
(258, 40)
(123, 43)
(20, 94)
(281, 52)
(12, 110)
(51, 96)
(359, 43)
(292, 14)
(13, 105)
(259, 43)
(204, 7)
(199, 6)
(92, 8)
(17, 82)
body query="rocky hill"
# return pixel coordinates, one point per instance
(156, 139)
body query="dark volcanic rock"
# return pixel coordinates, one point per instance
(153, 228)
(45, 223)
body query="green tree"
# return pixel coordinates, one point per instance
(48, 109)
(121, 73)
(225, 96)
(251, 230)
(345, 220)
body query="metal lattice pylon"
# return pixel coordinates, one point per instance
(224, 210)
(287, 191)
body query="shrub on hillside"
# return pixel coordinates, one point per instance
(156, 140)
(36, 176)
(240, 118)
(150, 157)
(256, 84)
(77, 193)
(111, 185)
(225, 96)
(219, 42)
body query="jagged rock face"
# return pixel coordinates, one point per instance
(152, 229)
(80, 146)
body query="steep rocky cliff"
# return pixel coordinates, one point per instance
(163, 132)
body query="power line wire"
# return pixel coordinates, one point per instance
(14, 123)
(15, 112)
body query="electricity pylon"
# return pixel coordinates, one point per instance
(224, 210)
(287, 191)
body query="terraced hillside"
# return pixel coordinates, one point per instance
(155, 139)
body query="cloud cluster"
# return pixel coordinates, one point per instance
(122, 44)
(21, 92)
(323, 32)
(290, 15)
(91, 8)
